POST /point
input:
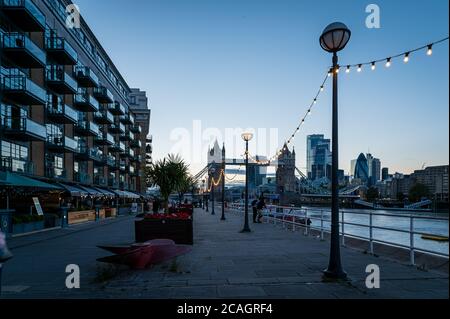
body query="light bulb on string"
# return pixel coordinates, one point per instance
(406, 58)
(348, 69)
(321, 88)
(336, 70)
(329, 73)
(430, 49)
(388, 62)
(315, 101)
(359, 68)
(373, 66)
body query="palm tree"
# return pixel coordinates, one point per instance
(168, 173)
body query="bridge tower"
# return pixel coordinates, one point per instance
(285, 176)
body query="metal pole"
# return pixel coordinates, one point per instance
(246, 225)
(223, 183)
(334, 269)
(213, 212)
(321, 225)
(370, 233)
(411, 240)
(343, 228)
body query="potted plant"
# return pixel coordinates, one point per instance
(27, 223)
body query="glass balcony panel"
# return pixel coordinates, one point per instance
(22, 90)
(22, 51)
(61, 51)
(25, 14)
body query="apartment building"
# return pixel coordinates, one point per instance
(65, 108)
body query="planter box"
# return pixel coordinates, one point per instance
(81, 217)
(27, 227)
(180, 231)
(110, 212)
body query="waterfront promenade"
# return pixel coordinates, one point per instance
(270, 262)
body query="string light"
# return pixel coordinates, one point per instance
(359, 67)
(406, 58)
(348, 69)
(321, 88)
(430, 49)
(373, 66)
(388, 62)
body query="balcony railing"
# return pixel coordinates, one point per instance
(110, 161)
(25, 14)
(127, 119)
(86, 128)
(55, 173)
(86, 77)
(137, 129)
(104, 117)
(61, 51)
(117, 128)
(103, 95)
(83, 178)
(136, 143)
(16, 165)
(23, 129)
(22, 52)
(20, 89)
(86, 103)
(105, 139)
(117, 109)
(62, 144)
(59, 81)
(61, 113)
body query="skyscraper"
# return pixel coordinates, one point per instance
(385, 173)
(362, 169)
(318, 156)
(376, 170)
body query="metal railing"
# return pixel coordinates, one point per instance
(304, 218)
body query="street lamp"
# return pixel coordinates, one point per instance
(333, 39)
(246, 137)
(211, 172)
(223, 183)
(203, 194)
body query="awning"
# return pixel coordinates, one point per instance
(132, 195)
(105, 192)
(74, 191)
(91, 191)
(120, 193)
(126, 194)
(16, 180)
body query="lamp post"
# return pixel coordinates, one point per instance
(211, 172)
(203, 194)
(246, 137)
(223, 183)
(333, 39)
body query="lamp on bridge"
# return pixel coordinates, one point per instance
(246, 137)
(211, 173)
(333, 39)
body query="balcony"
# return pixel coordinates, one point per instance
(25, 14)
(21, 90)
(60, 113)
(103, 95)
(86, 128)
(136, 159)
(113, 183)
(82, 178)
(103, 117)
(122, 166)
(111, 161)
(104, 139)
(117, 128)
(16, 165)
(127, 136)
(136, 129)
(136, 144)
(59, 81)
(117, 147)
(86, 103)
(86, 77)
(85, 153)
(62, 144)
(117, 109)
(127, 119)
(60, 51)
(100, 180)
(128, 153)
(23, 129)
(22, 52)
(55, 173)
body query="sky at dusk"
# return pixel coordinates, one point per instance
(258, 64)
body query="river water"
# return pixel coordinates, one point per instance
(426, 226)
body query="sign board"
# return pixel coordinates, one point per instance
(38, 206)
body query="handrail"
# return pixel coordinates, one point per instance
(296, 216)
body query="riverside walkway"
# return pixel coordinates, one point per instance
(270, 262)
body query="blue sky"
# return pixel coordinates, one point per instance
(258, 64)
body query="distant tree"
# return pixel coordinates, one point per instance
(372, 194)
(418, 191)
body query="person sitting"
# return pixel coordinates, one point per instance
(260, 206)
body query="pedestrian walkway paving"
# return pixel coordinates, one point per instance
(269, 262)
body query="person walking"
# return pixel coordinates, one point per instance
(255, 210)
(260, 206)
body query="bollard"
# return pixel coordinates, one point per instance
(65, 217)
